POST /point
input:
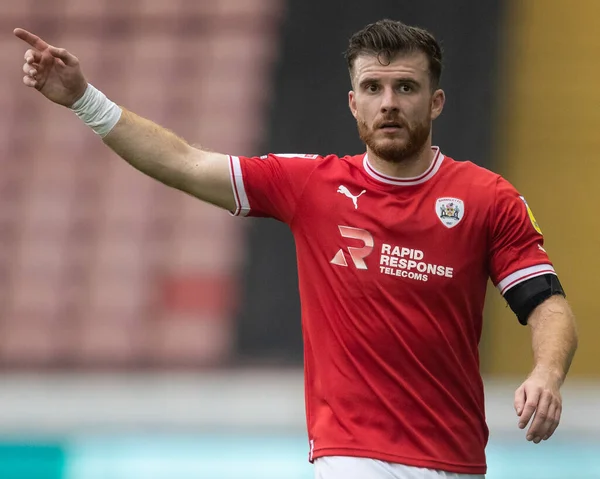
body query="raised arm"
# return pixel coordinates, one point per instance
(148, 147)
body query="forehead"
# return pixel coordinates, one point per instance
(413, 64)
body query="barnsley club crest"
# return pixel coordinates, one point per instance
(450, 211)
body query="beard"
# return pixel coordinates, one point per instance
(393, 149)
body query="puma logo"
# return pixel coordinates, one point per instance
(344, 191)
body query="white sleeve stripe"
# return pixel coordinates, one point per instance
(522, 275)
(234, 189)
(237, 183)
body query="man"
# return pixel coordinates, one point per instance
(394, 246)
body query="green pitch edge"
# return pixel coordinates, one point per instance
(31, 461)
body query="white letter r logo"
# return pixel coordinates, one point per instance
(357, 254)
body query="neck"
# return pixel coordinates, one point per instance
(408, 168)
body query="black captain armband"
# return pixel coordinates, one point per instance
(526, 296)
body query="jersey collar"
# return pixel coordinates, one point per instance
(438, 158)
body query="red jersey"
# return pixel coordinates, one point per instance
(392, 277)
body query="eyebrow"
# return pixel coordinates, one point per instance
(408, 80)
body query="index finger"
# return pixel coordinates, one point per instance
(543, 412)
(531, 404)
(33, 40)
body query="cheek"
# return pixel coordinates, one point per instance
(420, 112)
(366, 111)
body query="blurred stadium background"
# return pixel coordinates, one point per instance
(146, 335)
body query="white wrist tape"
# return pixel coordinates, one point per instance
(97, 111)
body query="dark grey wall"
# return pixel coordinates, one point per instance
(310, 115)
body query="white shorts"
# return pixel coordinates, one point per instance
(342, 467)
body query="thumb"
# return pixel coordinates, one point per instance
(520, 400)
(61, 54)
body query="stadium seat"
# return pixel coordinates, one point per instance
(101, 265)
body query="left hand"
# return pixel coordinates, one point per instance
(539, 394)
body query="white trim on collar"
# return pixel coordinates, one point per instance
(416, 180)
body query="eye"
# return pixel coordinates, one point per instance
(372, 87)
(406, 88)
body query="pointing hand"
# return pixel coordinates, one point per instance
(54, 72)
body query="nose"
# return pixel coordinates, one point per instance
(389, 101)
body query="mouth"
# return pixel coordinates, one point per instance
(390, 126)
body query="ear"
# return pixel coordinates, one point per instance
(352, 102)
(437, 103)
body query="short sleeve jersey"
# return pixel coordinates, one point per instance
(392, 279)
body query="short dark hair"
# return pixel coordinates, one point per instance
(387, 38)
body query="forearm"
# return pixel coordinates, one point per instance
(554, 337)
(152, 149)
